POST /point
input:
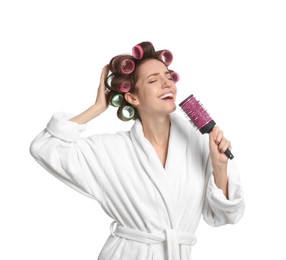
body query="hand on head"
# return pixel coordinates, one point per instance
(102, 90)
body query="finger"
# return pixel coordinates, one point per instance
(103, 75)
(224, 145)
(214, 132)
(219, 137)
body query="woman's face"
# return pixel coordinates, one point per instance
(156, 90)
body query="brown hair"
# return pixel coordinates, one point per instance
(123, 76)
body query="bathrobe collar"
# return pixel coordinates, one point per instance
(163, 178)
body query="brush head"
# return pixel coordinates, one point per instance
(200, 118)
(197, 114)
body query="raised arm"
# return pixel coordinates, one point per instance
(74, 160)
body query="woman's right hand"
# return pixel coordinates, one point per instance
(101, 101)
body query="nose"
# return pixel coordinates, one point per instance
(166, 83)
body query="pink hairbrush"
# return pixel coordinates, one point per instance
(200, 118)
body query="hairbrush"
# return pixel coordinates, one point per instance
(199, 117)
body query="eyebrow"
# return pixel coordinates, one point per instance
(156, 74)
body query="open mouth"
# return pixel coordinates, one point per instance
(167, 96)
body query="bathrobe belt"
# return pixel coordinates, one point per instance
(172, 237)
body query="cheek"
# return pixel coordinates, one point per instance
(147, 91)
(175, 89)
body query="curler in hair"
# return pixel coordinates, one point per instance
(143, 49)
(165, 56)
(115, 99)
(108, 81)
(126, 113)
(124, 86)
(122, 64)
(200, 118)
(118, 83)
(138, 52)
(175, 76)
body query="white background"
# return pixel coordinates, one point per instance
(230, 54)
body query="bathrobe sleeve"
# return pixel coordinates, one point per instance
(73, 159)
(218, 210)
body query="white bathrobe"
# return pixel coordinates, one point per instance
(156, 209)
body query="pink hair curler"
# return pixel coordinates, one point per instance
(138, 52)
(175, 76)
(122, 65)
(166, 56)
(125, 86)
(143, 50)
(118, 83)
(200, 118)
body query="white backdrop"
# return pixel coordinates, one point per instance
(230, 54)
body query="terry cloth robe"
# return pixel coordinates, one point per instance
(156, 209)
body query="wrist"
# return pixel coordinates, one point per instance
(219, 169)
(89, 114)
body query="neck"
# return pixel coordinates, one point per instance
(157, 129)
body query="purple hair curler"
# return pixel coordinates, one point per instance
(200, 118)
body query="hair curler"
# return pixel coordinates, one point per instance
(138, 52)
(165, 56)
(114, 99)
(122, 64)
(175, 76)
(118, 83)
(143, 49)
(126, 113)
(199, 117)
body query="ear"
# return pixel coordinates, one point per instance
(131, 99)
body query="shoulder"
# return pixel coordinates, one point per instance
(115, 140)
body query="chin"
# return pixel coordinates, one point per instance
(172, 109)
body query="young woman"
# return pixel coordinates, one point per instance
(156, 180)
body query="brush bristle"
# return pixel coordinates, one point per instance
(198, 116)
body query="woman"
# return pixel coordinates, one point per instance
(156, 180)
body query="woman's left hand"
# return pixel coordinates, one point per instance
(218, 145)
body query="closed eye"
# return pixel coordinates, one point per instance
(152, 81)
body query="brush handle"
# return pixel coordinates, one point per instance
(227, 151)
(229, 154)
